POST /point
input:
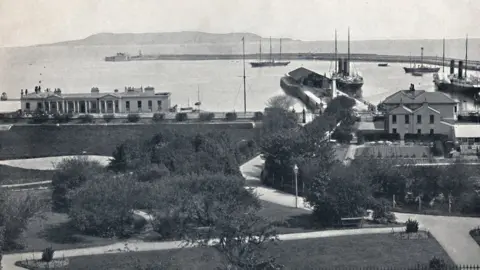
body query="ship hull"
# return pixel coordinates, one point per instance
(421, 70)
(449, 87)
(353, 89)
(269, 64)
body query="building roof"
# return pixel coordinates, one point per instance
(302, 72)
(418, 97)
(371, 126)
(467, 130)
(52, 95)
(401, 109)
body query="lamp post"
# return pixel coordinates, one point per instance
(295, 171)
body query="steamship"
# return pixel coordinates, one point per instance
(420, 68)
(458, 82)
(271, 62)
(347, 82)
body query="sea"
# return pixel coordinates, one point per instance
(218, 84)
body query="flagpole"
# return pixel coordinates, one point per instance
(244, 79)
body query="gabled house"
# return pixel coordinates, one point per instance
(419, 112)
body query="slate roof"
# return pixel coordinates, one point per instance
(302, 72)
(52, 95)
(418, 97)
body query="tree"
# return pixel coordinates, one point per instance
(16, 210)
(71, 174)
(104, 205)
(281, 102)
(218, 207)
(276, 119)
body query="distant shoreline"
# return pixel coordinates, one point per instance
(472, 65)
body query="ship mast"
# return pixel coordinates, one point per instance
(466, 56)
(421, 57)
(336, 52)
(280, 57)
(348, 57)
(244, 78)
(260, 49)
(271, 57)
(443, 56)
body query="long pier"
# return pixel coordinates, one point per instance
(472, 64)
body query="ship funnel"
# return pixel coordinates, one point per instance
(340, 66)
(346, 67)
(460, 69)
(452, 67)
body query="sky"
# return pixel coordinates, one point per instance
(29, 22)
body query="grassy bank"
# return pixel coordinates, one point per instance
(14, 175)
(51, 140)
(346, 252)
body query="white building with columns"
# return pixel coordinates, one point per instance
(132, 100)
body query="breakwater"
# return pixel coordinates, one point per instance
(472, 64)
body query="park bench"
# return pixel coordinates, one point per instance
(352, 222)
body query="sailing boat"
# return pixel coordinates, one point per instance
(421, 68)
(271, 62)
(458, 82)
(198, 103)
(347, 82)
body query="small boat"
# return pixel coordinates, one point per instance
(417, 74)
(383, 64)
(4, 96)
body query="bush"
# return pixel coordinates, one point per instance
(231, 116)
(108, 117)
(47, 254)
(40, 117)
(71, 174)
(411, 226)
(62, 118)
(258, 116)
(133, 117)
(87, 118)
(437, 264)
(152, 173)
(157, 117)
(206, 117)
(103, 206)
(342, 136)
(437, 148)
(181, 117)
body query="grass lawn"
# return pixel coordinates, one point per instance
(14, 175)
(43, 141)
(376, 250)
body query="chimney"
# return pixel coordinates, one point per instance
(460, 69)
(346, 67)
(340, 65)
(452, 67)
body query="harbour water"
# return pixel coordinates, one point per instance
(219, 81)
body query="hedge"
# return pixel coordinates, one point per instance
(157, 117)
(369, 137)
(258, 116)
(231, 116)
(206, 117)
(425, 137)
(180, 117)
(108, 117)
(133, 117)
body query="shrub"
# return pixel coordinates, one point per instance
(231, 116)
(40, 117)
(206, 117)
(181, 117)
(437, 264)
(47, 254)
(108, 117)
(71, 174)
(258, 116)
(87, 118)
(157, 117)
(133, 117)
(62, 118)
(152, 173)
(437, 148)
(411, 226)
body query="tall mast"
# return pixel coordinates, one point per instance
(443, 56)
(280, 57)
(348, 58)
(410, 59)
(336, 52)
(421, 57)
(244, 78)
(271, 58)
(260, 49)
(466, 56)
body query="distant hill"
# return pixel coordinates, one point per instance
(187, 37)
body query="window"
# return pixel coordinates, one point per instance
(407, 119)
(139, 104)
(419, 131)
(432, 118)
(39, 105)
(431, 131)
(127, 106)
(419, 119)
(455, 109)
(394, 130)
(150, 105)
(394, 119)
(159, 105)
(27, 106)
